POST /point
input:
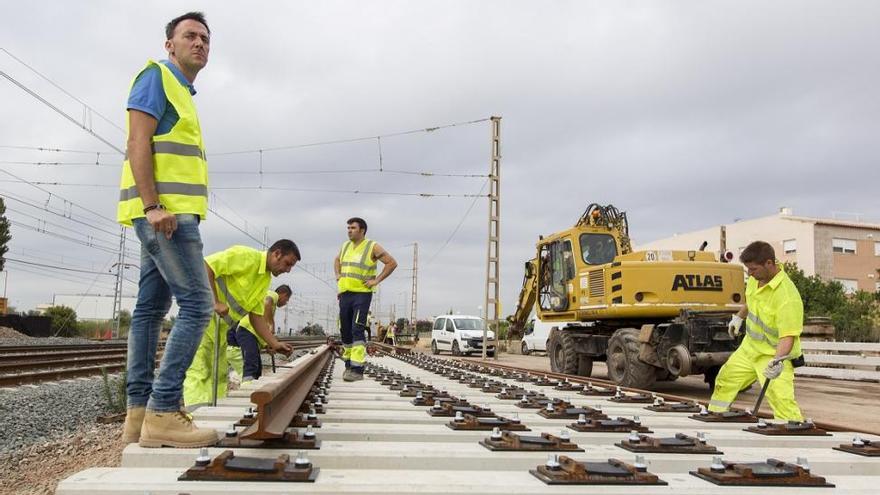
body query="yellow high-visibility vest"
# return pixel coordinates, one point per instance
(776, 310)
(357, 266)
(241, 278)
(180, 169)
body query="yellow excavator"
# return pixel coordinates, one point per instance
(651, 315)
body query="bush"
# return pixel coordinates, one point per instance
(855, 316)
(114, 392)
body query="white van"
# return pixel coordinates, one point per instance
(460, 334)
(537, 333)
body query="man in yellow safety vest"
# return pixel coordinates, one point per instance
(355, 268)
(239, 278)
(774, 316)
(164, 196)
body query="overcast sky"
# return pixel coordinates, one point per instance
(686, 114)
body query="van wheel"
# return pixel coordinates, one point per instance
(490, 353)
(525, 349)
(434, 349)
(455, 350)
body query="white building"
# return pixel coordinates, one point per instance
(846, 251)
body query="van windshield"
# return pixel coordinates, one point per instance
(468, 324)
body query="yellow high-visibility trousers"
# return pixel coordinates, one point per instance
(745, 366)
(200, 375)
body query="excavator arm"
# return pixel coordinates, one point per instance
(527, 295)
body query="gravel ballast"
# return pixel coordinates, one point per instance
(49, 411)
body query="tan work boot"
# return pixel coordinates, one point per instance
(174, 429)
(134, 419)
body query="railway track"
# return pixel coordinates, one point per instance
(21, 365)
(418, 424)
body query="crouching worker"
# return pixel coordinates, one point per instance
(251, 338)
(239, 278)
(774, 316)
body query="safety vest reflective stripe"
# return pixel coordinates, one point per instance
(767, 329)
(167, 188)
(362, 266)
(230, 301)
(358, 342)
(719, 403)
(356, 269)
(172, 148)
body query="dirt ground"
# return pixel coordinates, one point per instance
(855, 404)
(38, 469)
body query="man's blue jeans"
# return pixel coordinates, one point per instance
(169, 267)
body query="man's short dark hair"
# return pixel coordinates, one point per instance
(360, 221)
(758, 252)
(286, 246)
(283, 289)
(193, 16)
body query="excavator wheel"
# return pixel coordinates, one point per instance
(564, 359)
(624, 366)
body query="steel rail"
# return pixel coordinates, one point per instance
(12, 358)
(826, 425)
(59, 363)
(278, 402)
(42, 376)
(6, 350)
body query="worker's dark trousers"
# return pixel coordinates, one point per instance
(250, 352)
(353, 309)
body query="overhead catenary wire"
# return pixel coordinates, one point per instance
(58, 87)
(278, 188)
(460, 222)
(351, 140)
(15, 260)
(37, 96)
(56, 276)
(50, 149)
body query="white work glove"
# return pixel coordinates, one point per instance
(773, 369)
(733, 328)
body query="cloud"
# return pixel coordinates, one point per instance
(684, 114)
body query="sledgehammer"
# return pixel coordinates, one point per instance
(761, 397)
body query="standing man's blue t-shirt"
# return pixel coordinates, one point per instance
(148, 96)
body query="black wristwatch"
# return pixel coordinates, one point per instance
(154, 206)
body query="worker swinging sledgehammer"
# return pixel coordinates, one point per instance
(239, 278)
(771, 348)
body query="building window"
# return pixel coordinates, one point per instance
(846, 246)
(789, 246)
(849, 286)
(877, 249)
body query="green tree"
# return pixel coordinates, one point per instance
(5, 235)
(63, 320)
